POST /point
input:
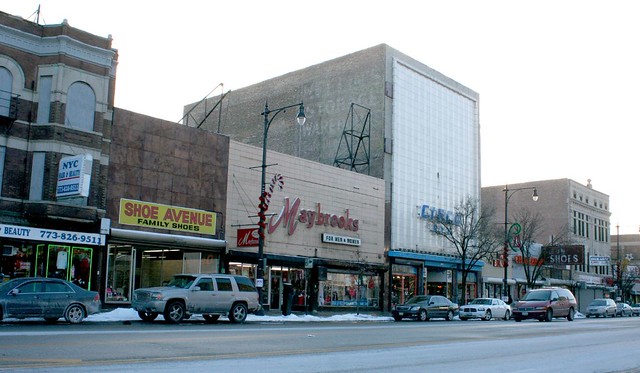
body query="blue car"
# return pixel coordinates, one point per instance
(47, 298)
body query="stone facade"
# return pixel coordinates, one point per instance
(157, 161)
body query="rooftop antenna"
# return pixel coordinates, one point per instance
(37, 13)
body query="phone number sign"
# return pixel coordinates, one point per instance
(51, 235)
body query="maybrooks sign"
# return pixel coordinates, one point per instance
(155, 215)
(248, 237)
(291, 215)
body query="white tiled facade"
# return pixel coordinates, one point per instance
(436, 154)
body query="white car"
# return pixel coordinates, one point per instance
(485, 309)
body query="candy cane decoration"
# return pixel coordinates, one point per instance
(265, 199)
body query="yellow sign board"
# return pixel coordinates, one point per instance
(155, 215)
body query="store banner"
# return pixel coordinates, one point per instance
(154, 215)
(50, 235)
(74, 176)
(248, 237)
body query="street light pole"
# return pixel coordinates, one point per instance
(505, 249)
(263, 206)
(619, 264)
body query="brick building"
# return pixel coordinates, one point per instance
(56, 107)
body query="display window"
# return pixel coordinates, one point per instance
(131, 266)
(69, 263)
(349, 290)
(16, 261)
(403, 288)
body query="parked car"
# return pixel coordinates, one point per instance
(212, 295)
(604, 307)
(623, 309)
(635, 307)
(425, 307)
(545, 304)
(48, 298)
(485, 309)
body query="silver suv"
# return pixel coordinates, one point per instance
(212, 295)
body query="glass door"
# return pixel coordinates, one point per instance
(120, 268)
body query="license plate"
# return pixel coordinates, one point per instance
(525, 313)
(400, 313)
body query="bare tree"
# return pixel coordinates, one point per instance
(471, 232)
(533, 257)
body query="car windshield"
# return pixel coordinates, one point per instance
(420, 299)
(182, 281)
(598, 303)
(538, 295)
(481, 301)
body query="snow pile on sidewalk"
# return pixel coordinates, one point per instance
(128, 314)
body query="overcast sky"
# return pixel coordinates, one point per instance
(558, 80)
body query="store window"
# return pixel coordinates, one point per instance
(16, 260)
(69, 263)
(349, 290)
(158, 265)
(121, 261)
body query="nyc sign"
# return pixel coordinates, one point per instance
(74, 176)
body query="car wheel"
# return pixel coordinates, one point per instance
(587, 316)
(464, 319)
(549, 315)
(74, 314)
(422, 315)
(238, 313)
(147, 316)
(571, 315)
(507, 315)
(449, 315)
(517, 319)
(487, 315)
(174, 313)
(397, 318)
(210, 318)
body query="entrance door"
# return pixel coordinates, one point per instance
(120, 266)
(275, 289)
(404, 287)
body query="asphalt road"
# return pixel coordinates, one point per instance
(584, 345)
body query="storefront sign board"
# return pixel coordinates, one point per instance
(154, 215)
(51, 235)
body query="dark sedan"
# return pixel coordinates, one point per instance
(47, 298)
(425, 307)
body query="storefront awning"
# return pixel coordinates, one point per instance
(166, 239)
(496, 280)
(431, 260)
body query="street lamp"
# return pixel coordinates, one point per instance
(505, 250)
(263, 198)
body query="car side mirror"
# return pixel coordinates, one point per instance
(554, 299)
(14, 291)
(196, 288)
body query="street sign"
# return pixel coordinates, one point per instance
(308, 263)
